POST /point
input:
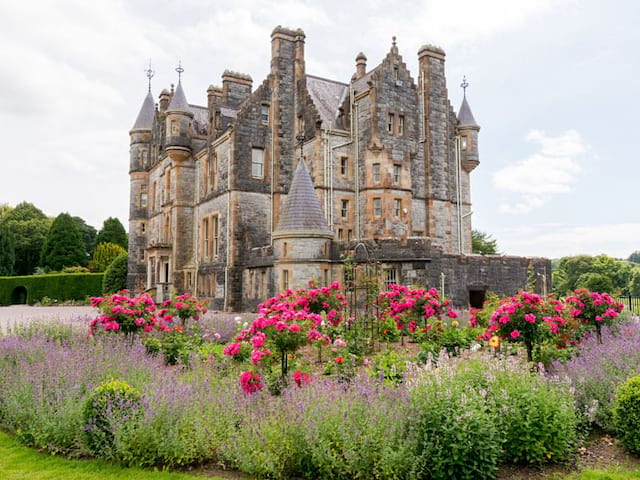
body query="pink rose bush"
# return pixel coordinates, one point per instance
(527, 318)
(594, 309)
(415, 311)
(124, 314)
(289, 321)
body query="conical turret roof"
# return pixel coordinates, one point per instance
(146, 114)
(301, 210)
(179, 101)
(465, 117)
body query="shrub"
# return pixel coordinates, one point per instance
(115, 276)
(113, 405)
(62, 287)
(626, 414)
(594, 309)
(454, 431)
(538, 418)
(104, 255)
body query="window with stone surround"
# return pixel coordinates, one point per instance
(397, 207)
(349, 235)
(264, 114)
(204, 253)
(167, 184)
(344, 208)
(401, 125)
(215, 235)
(285, 279)
(396, 173)
(154, 196)
(340, 234)
(390, 276)
(344, 166)
(257, 163)
(377, 207)
(391, 120)
(143, 228)
(376, 172)
(463, 142)
(143, 195)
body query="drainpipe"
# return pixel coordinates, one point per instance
(226, 267)
(458, 192)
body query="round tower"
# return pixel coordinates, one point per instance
(179, 123)
(139, 159)
(468, 130)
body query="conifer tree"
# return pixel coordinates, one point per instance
(112, 231)
(104, 254)
(63, 246)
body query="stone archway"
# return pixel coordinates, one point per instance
(19, 296)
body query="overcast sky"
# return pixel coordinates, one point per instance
(553, 84)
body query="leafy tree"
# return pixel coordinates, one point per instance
(115, 277)
(7, 250)
(483, 243)
(571, 273)
(63, 246)
(634, 283)
(104, 254)
(634, 257)
(4, 210)
(112, 231)
(88, 235)
(29, 227)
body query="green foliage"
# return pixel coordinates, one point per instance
(63, 246)
(29, 227)
(538, 418)
(112, 231)
(456, 435)
(111, 406)
(61, 287)
(626, 414)
(594, 273)
(88, 234)
(634, 257)
(634, 283)
(115, 276)
(7, 250)
(483, 243)
(104, 255)
(388, 366)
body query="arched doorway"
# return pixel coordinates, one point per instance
(19, 296)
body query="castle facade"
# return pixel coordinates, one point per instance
(266, 189)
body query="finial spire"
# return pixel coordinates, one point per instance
(393, 40)
(179, 69)
(150, 73)
(464, 85)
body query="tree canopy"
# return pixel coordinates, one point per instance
(112, 231)
(29, 226)
(63, 246)
(88, 234)
(104, 254)
(483, 243)
(600, 273)
(634, 257)
(7, 250)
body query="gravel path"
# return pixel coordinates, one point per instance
(22, 314)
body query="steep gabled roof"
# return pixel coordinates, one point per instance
(327, 96)
(301, 209)
(146, 114)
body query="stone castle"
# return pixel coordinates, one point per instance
(266, 189)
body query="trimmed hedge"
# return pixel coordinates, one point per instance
(60, 287)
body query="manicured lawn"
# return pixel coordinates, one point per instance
(18, 462)
(614, 474)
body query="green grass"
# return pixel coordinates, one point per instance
(18, 462)
(614, 474)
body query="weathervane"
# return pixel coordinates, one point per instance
(179, 70)
(150, 73)
(464, 85)
(300, 139)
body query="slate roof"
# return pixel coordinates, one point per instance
(301, 209)
(146, 114)
(200, 119)
(327, 96)
(179, 101)
(465, 117)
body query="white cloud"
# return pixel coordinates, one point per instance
(554, 241)
(536, 179)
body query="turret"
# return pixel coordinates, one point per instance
(468, 130)
(179, 122)
(140, 135)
